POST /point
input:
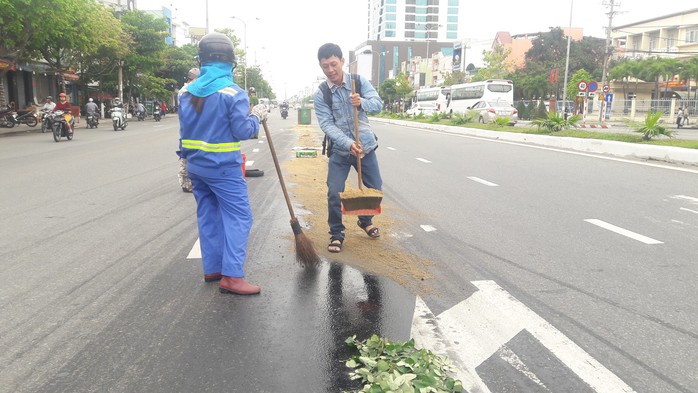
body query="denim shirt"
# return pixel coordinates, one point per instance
(340, 128)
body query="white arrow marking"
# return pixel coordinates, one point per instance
(195, 251)
(481, 325)
(424, 160)
(481, 181)
(624, 232)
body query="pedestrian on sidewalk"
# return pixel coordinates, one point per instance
(214, 117)
(679, 118)
(337, 122)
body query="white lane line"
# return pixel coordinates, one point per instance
(559, 150)
(260, 142)
(195, 251)
(427, 228)
(255, 150)
(688, 210)
(685, 197)
(423, 160)
(249, 163)
(482, 181)
(391, 148)
(624, 232)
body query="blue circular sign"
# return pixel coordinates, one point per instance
(593, 86)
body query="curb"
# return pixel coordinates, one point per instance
(670, 154)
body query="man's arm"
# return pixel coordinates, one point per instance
(326, 121)
(371, 102)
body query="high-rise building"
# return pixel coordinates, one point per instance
(413, 20)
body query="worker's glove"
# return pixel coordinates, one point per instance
(260, 111)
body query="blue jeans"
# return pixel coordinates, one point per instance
(337, 173)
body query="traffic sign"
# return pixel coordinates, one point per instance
(593, 86)
(582, 86)
(581, 94)
(609, 97)
(591, 94)
(606, 88)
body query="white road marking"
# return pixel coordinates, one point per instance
(249, 163)
(481, 325)
(195, 251)
(622, 231)
(562, 151)
(428, 228)
(391, 148)
(423, 160)
(685, 197)
(255, 150)
(688, 210)
(482, 181)
(260, 142)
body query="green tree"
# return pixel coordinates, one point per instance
(496, 64)
(388, 92)
(454, 78)
(178, 62)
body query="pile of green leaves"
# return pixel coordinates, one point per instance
(384, 366)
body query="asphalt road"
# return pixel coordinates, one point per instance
(98, 293)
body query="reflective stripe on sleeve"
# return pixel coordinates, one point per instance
(210, 147)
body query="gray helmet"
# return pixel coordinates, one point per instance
(49, 98)
(216, 47)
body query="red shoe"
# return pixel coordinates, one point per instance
(237, 286)
(212, 277)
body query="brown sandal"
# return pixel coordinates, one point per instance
(372, 233)
(335, 245)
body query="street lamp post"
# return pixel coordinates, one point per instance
(244, 32)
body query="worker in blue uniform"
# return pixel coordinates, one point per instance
(214, 117)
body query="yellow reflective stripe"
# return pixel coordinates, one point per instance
(210, 147)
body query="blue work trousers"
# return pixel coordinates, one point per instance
(224, 218)
(337, 173)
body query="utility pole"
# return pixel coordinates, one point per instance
(607, 53)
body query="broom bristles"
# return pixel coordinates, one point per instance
(305, 251)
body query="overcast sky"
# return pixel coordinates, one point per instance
(285, 38)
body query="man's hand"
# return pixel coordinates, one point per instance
(260, 111)
(355, 99)
(356, 150)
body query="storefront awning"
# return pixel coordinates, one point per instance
(70, 76)
(5, 65)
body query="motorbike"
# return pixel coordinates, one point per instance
(156, 114)
(7, 119)
(284, 113)
(59, 122)
(27, 117)
(45, 120)
(92, 120)
(118, 118)
(140, 115)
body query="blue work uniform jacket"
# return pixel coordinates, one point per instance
(338, 122)
(210, 140)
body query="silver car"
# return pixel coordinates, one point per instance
(490, 110)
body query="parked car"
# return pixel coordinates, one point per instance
(426, 109)
(490, 110)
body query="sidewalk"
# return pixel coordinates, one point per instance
(676, 155)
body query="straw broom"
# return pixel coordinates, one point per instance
(305, 251)
(363, 202)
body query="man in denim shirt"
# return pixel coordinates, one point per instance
(338, 124)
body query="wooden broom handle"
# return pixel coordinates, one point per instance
(278, 168)
(358, 138)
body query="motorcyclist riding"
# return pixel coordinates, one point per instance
(140, 110)
(48, 104)
(92, 108)
(64, 105)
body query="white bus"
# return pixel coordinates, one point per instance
(429, 100)
(465, 95)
